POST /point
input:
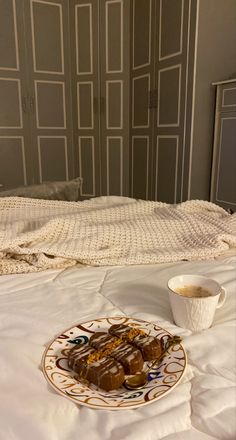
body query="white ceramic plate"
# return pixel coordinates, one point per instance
(162, 379)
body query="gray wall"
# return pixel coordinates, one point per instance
(215, 61)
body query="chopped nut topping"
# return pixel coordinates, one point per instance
(106, 351)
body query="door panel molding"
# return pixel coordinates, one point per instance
(10, 105)
(110, 102)
(60, 177)
(171, 101)
(16, 48)
(114, 37)
(170, 30)
(176, 154)
(87, 179)
(146, 157)
(22, 147)
(63, 104)
(89, 38)
(114, 167)
(61, 38)
(135, 65)
(80, 84)
(137, 96)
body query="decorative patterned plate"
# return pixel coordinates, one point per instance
(162, 379)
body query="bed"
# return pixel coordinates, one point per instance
(47, 289)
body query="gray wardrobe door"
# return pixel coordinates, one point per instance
(142, 97)
(85, 93)
(223, 183)
(173, 76)
(15, 154)
(225, 174)
(48, 61)
(114, 34)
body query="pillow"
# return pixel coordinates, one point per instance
(67, 190)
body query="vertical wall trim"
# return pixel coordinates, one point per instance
(91, 37)
(193, 101)
(23, 159)
(39, 159)
(62, 42)
(98, 150)
(121, 166)
(185, 101)
(16, 34)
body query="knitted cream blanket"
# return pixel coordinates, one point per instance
(38, 234)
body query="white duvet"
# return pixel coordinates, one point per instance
(36, 307)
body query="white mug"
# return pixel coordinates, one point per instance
(195, 312)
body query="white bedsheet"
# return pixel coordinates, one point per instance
(36, 307)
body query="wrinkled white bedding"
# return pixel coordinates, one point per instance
(36, 307)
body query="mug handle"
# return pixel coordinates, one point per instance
(221, 298)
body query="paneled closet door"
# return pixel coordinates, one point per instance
(15, 154)
(47, 30)
(84, 25)
(173, 64)
(142, 97)
(114, 35)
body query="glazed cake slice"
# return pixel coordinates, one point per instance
(129, 356)
(150, 347)
(106, 373)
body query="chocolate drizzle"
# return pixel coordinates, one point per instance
(107, 357)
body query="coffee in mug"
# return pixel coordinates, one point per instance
(193, 291)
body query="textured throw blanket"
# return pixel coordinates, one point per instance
(38, 234)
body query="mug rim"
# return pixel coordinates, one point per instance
(204, 277)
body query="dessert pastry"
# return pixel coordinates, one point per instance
(129, 356)
(107, 357)
(106, 373)
(150, 347)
